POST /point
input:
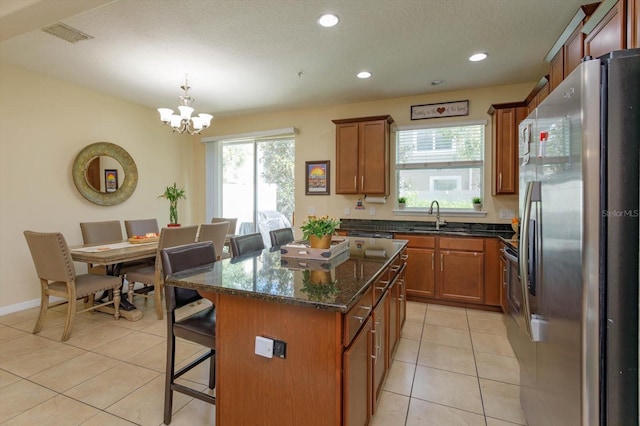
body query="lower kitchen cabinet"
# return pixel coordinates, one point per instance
(357, 386)
(504, 279)
(380, 352)
(453, 270)
(420, 271)
(461, 276)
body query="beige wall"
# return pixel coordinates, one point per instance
(45, 122)
(316, 141)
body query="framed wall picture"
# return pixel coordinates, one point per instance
(317, 177)
(110, 180)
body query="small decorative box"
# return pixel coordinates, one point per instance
(301, 249)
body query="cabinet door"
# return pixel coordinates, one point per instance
(402, 299)
(394, 314)
(461, 276)
(609, 34)
(374, 157)
(573, 51)
(506, 153)
(347, 158)
(357, 379)
(420, 272)
(380, 348)
(557, 70)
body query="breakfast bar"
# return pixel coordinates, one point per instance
(335, 323)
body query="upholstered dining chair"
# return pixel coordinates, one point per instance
(247, 243)
(102, 232)
(141, 227)
(217, 233)
(233, 222)
(58, 278)
(151, 276)
(280, 237)
(198, 328)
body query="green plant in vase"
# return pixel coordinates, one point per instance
(477, 203)
(173, 194)
(319, 228)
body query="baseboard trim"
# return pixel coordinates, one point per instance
(5, 310)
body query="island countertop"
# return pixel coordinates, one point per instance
(270, 276)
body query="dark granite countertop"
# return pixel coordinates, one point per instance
(268, 275)
(500, 230)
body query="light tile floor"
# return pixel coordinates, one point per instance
(453, 366)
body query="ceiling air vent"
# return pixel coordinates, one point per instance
(66, 32)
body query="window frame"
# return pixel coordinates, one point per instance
(468, 164)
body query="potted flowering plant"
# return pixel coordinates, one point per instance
(173, 194)
(318, 230)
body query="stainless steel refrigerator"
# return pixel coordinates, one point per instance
(575, 327)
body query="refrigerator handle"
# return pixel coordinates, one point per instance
(523, 255)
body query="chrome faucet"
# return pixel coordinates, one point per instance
(438, 221)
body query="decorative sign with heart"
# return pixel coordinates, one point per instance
(447, 109)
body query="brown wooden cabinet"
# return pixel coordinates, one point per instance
(357, 385)
(609, 33)
(420, 274)
(505, 119)
(362, 155)
(380, 348)
(557, 69)
(461, 274)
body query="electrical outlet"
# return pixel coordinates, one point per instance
(347, 211)
(311, 210)
(280, 348)
(507, 214)
(372, 211)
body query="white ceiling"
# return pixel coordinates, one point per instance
(265, 55)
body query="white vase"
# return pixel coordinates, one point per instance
(477, 206)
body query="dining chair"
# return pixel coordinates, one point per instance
(217, 233)
(141, 227)
(233, 222)
(58, 278)
(280, 237)
(198, 328)
(102, 232)
(151, 276)
(247, 243)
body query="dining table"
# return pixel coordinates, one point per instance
(113, 256)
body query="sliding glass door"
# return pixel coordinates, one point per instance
(256, 184)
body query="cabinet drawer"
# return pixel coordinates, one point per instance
(469, 244)
(357, 316)
(417, 241)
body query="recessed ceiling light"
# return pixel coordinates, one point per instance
(328, 20)
(437, 82)
(364, 74)
(478, 57)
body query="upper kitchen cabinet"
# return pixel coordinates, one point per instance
(362, 155)
(505, 119)
(606, 30)
(568, 51)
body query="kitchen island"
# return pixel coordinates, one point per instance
(339, 321)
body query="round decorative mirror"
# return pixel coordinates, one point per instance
(105, 173)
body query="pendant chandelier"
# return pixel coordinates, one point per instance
(184, 122)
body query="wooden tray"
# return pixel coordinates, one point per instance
(301, 249)
(143, 240)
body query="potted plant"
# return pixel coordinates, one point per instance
(477, 203)
(318, 230)
(402, 202)
(173, 194)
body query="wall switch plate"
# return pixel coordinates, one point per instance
(264, 347)
(372, 211)
(311, 210)
(507, 214)
(347, 211)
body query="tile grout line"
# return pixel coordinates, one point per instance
(475, 364)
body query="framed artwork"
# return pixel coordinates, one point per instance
(446, 109)
(316, 177)
(111, 180)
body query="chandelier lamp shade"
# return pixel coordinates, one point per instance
(184, 122)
